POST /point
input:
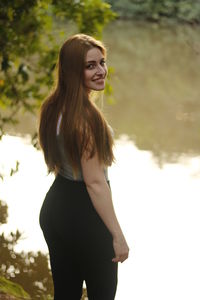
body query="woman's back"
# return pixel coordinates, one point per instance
(77, 216)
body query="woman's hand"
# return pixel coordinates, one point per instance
(121, 249)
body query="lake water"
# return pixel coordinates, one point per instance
(158, 210)
(155, 181)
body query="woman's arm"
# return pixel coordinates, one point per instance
(101, 198)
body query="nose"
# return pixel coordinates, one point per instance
(101, 70)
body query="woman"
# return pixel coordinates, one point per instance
(83, 235)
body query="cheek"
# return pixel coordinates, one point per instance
(88, 75)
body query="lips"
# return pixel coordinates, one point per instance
(99, 80)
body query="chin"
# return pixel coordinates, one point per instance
(96, 88)
(99, 88)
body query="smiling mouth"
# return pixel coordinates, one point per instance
(99, 80)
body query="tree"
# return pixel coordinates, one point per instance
(11, 291)
(187, 11)
(30, 270)
(28, 48)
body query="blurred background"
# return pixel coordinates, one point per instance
(152, 102)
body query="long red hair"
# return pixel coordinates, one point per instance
(83, 127)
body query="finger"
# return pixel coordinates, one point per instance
(116, 259)
(120, 258)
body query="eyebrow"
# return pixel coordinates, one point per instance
(90, 61)
(94, 61)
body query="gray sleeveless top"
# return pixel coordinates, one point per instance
(66, 169)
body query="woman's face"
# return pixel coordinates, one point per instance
(95, 70)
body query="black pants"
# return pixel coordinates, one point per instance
(80, 245)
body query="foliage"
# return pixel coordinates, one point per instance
(27, 269)
(21, 24)
(84, 295)
(30, 270)
(3, 212)
(12, 289)
(29, 48)
(157, 10)
(90, 15)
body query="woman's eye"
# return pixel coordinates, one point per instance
(90, 66)
(93, 65)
